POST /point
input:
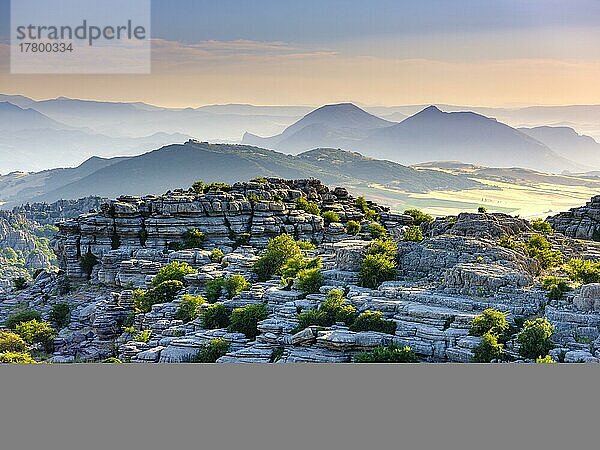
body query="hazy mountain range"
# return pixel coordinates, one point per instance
(179, 165)
(62, 132)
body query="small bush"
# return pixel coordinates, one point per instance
(334, 309)
(236, 284)
(373, 321)
(192, 238)
(215, 316)
(419, 216)
(309, 281)
(385, 247)
(363, 205)
(60, 315)
(583, 271)
(292, 267)
(377, 231)
(353, 228)
(259, 180)
(413, 234)
(488, 350)
(217, 187)
(306, 245)
(198, 187)
(279, 250)
(111, 361)
(330, 217)
(509, 242)
(490, 321)
(19, 283)
(217, 255)
(173, 271)
(87, 263)
(214, 289)
(24, 315)
(535, 338)
(542, 226)
(375, 269)
(212, 351)
(11, 342)
(482, 210)
(390, 354)
(309, 207)
(16, 358)
(189, 308)
(545, 360)
(556, 287)
(244, 320)
(143, 336)
(36, 332)
(539, 248)
(163, 293)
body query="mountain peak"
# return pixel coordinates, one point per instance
(432, 109)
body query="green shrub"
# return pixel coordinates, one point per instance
(111, 361)
(330, 217)
(11, 342)
(488, 349)
(35, 332)
(143, 336)
(353, 228)
(214, 289)
(173, 271)
(482, 210)
(545, 360)
(542, 226)
(385, 247)
(198, 187)
(24, 315)
(334, 309)
(363, 205)
(377, 231)
(87, 263)
(539, 248)
(535, 338)
(419, 216)
(557, 287)
(192, 238)
(413, 234)
(309, 281)
(16, 358)
(279, 250)
(217, 187)
(217, 255)
(212, 351)
(189, 308)
(309, 207)
(244, 320)
(292, 267)
(490, 321)
(306, 245)
(509, 242)
(163, 293)
(390, 354)
(215, 316)
(259, 180)
(583, 271)
(19, 283)
(236, 284)
(373, 321)
(376, 269)
(60, 315)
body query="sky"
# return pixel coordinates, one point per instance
(377, 52)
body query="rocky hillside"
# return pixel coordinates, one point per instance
(279, 270)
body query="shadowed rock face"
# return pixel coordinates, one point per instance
(579, 223)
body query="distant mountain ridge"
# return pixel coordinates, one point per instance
(179, 165)
(430, 134)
